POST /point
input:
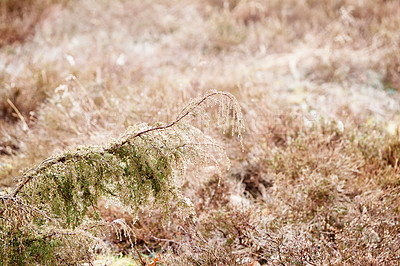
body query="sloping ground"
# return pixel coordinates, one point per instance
(318, 181)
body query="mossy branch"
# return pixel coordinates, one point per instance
(187, 111)
(58, 199)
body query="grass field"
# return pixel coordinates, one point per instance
(318, 180)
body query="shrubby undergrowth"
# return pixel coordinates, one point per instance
(53, 215)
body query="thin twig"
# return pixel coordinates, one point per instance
(28, 178)
(177, 120)
(140, 256)
(25, 125)
(165, 240)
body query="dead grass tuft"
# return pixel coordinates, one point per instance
(27, 94)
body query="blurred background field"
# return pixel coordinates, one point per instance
(318, 81)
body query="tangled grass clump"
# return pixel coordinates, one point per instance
(55, 206)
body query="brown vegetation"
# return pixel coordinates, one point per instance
(318, 181)
(18, 19)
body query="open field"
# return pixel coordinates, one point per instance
(318, 180)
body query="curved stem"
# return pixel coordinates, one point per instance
(186, 111)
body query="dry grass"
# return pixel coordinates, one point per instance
(318, 83)
(18, 19)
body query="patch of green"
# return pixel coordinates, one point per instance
(57, 201)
